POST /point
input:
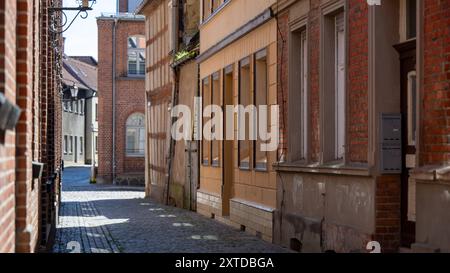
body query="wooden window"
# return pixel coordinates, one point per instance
(412, 108)
(298, 96)
(245, 99)
(216, 4)
(333, 84)
(206, 9)
(215, 94)
(206, 144)
(260, 98)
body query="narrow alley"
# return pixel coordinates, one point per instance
(105, 219)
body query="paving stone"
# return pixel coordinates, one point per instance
(109, 219)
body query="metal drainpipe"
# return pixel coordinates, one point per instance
(114, 102)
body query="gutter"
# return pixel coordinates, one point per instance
(114, 102)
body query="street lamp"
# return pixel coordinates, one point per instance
(74, 92)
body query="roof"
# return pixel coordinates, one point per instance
(86, 59)
(77, 71)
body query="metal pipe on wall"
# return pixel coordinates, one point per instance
(114, 102)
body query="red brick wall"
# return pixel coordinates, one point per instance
(21, 38)
(27, 195)
(357, 80)
(130, 98)
(387, 212)
(435, 127)
(7, 141)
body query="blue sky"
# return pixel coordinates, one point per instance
(81, 38)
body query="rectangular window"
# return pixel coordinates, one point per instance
(81, 145)
(412, 108)
(66, 144)
(135, 141)
(216, 4)
(71, 145)
(333, 87)
(245, 99)
(206, 9)
(136, 56)
(261, 92)
(96, 112)
(340, 87)
(206, 144)
(96, 144)
(81, 107)
(411, 18)
(215, 94)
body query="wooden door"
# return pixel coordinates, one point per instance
(409, 102)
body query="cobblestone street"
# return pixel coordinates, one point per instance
(104, 219)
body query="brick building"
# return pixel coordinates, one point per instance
(121, 64)
(29, 80)
(363, 91)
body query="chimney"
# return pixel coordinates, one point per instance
(122, 6)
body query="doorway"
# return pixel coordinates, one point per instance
(228, 145)
(409, 104)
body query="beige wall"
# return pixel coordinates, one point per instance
(227, 20)
(253, 186)
(180, 182)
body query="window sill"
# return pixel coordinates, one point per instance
(135, 156)
(330, 168)
(132, 77)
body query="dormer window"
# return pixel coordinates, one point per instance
(136, 56)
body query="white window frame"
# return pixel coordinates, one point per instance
(139, 134)
(66, 143)
(340, 94)
(137, 52)
(304, 95)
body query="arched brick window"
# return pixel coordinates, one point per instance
(136, 56)
(135, 138)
